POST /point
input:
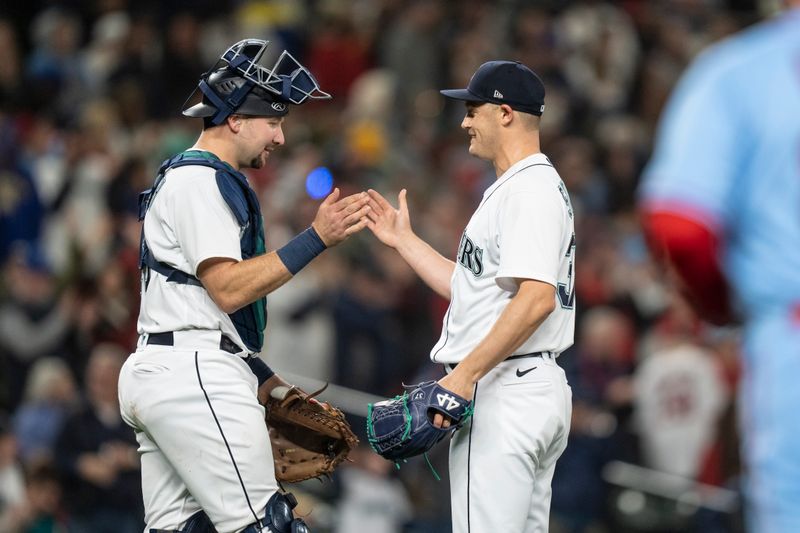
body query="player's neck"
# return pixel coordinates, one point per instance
(514, 150)
(209, 142)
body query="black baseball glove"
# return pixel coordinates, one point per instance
(403, 426)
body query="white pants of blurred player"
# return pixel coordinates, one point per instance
(502, 461)
(201, 432)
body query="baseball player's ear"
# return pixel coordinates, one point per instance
(235, 122)
(506, 114)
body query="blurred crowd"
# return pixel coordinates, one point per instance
(90, 99)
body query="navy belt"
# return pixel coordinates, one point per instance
(527, 355)
(167, 338)
(451, 366)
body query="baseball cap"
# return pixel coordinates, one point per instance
(504, 82)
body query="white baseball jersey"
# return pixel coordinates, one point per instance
(200, 227)
(503, 459)
(680, 397)
(523, 228)
(200, 428)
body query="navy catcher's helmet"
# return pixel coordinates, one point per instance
(237, 83)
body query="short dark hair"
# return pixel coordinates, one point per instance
(208, 123)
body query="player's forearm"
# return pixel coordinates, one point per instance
(434, 269)
(691, 250)
(519, 320)
(233, 285)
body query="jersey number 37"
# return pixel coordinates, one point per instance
(566, 291)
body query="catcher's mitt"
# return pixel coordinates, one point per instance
(309, 438)
(403, 426)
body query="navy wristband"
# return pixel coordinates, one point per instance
(299, 252)
(260, 369)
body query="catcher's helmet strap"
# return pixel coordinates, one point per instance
(286, 87)
(235, 61)
(225, 107)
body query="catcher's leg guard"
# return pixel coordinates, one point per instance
(279, 517)
(197, 523)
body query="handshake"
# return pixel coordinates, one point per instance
(337, 219)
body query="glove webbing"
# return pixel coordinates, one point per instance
(371, 429)
(407, 415)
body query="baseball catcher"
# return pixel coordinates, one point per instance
(193, 389)
(403, 426)
(309, 438)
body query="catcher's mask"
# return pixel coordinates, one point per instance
(238, 83)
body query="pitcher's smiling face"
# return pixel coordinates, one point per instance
(481, 124)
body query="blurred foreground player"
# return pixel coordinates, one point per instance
(721, 206)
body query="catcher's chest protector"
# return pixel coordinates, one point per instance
(250, 320)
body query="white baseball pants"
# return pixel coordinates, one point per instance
(502, 461)
(201, 433)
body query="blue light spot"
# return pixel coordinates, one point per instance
(319, 183)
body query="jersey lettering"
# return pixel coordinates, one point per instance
(563, 190)
(566, 292)
(470, 256)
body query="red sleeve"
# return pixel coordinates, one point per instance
(691, 250)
